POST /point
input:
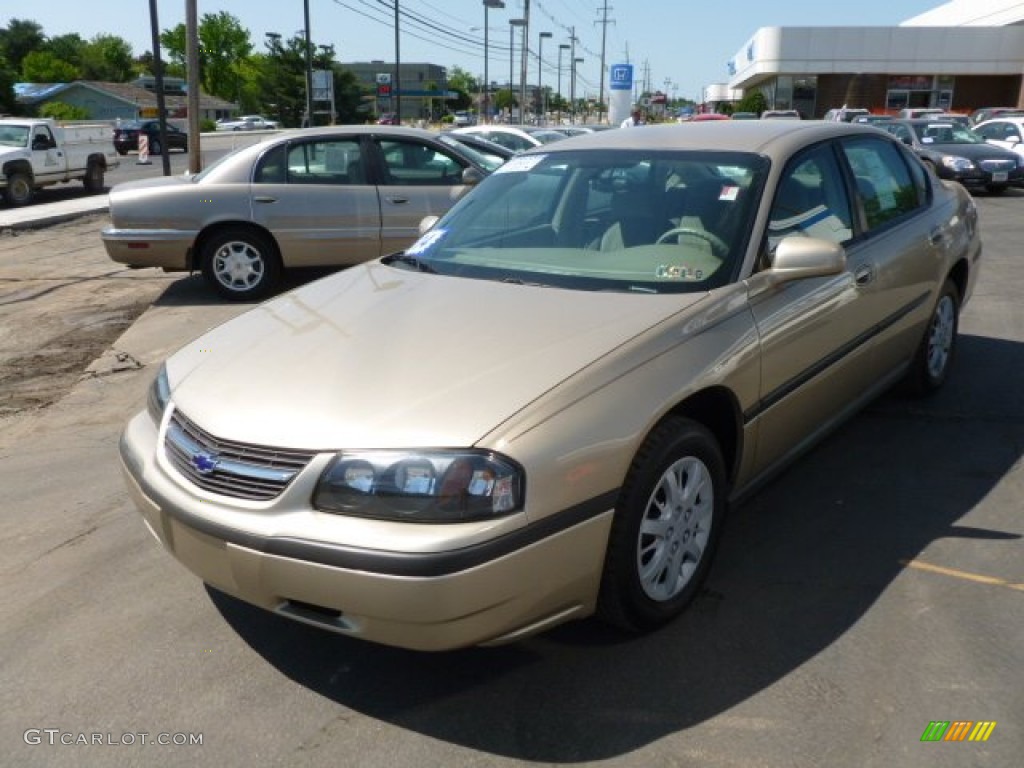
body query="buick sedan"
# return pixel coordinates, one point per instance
(544, 408)
(304, 198)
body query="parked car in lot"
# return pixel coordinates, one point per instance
(492, 155)
(308, 197)
(1006, 132)
(516, 138)
(846, 114)
(248, 123)
(388, 118)
(126, 137)
(542, 409)
(780, 114)
(959, 154)
(987, 113)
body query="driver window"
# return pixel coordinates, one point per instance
(811, 200)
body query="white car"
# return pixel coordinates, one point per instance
(248, 123)
(515, 137)
(1006, 132)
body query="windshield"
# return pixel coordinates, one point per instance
(947, 133)
(487, 161)
(611, 220)
(14, 135)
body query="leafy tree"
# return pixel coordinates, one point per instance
(47, 67)
(68, 48)
(465, 85)
(107, 57)
(752, 102)
(18, 40)
(8, 104)
(58, 110)
(224, 45)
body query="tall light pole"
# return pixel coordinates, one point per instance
(561, 47)
(512, 24)
(488, 4)
(524, 56)
(540, 77)
(572, 87)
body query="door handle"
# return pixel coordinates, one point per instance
(397, 199)
(864, 274)
(264, 199)
(936, 237)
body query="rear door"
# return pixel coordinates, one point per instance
(315, 198)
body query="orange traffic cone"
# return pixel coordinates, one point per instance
(144, 150)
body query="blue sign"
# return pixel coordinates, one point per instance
(621, 78)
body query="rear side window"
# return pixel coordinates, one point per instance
(811, 200)
(885, 188)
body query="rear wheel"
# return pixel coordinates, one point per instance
(155, 147)
(93, 179)
(996, 189)
(666, 527)
(19, 189)
(934, 356)
(242, 264)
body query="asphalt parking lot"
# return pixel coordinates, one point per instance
(876, 587)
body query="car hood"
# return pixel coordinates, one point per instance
(972, 152)
(382, 357)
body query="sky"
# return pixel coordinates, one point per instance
(676, 46)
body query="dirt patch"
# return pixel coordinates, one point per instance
(44, 375)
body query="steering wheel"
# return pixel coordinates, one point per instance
(718, 246)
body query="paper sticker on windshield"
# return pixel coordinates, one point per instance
(678, 272)
(426, 242)
(520, 164)
(729, 193)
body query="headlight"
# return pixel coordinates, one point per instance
(433, 486)
(955, 163)
(159, 395)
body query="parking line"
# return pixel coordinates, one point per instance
(965, 575)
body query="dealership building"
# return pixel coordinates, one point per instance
(959, 56)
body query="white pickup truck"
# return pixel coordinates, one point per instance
(36, 153)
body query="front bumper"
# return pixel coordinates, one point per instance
(420, 600)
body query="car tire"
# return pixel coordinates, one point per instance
(93, 179)
(241, 263)
(155, 147)
(667, 523)
(122, 152)
(19, 189)
(996, 189)
(934, 356)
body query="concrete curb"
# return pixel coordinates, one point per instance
(33, 216)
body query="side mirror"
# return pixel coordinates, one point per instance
(427, 222)
(471, 176)
(1013, 139)
(797, 258)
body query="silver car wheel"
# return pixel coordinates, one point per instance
(940, 336)
(675, 529)
(238, 266)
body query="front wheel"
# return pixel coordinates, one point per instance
(931, 363)
(996, 189)
(19, 189)
(666, 527)
(155, 147)
(242, 264)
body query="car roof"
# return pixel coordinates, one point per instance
(1015, 119)
(759, 136)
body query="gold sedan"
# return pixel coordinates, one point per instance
(542, 409)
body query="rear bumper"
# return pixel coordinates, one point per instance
(166, 248)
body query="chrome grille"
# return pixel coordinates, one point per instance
(997, 165)
(229, 468)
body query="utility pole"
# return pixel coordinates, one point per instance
(158, 73)
(309, 67)
(604, 22)
(192, 77)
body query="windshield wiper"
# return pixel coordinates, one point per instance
(412, 261)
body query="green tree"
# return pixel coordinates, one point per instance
(8, 103)
(107, 57)
(224, 44)
(18, 40)
(752, 102)
(58, 110)
(67, 48)
(47, 67)
(465, 85)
